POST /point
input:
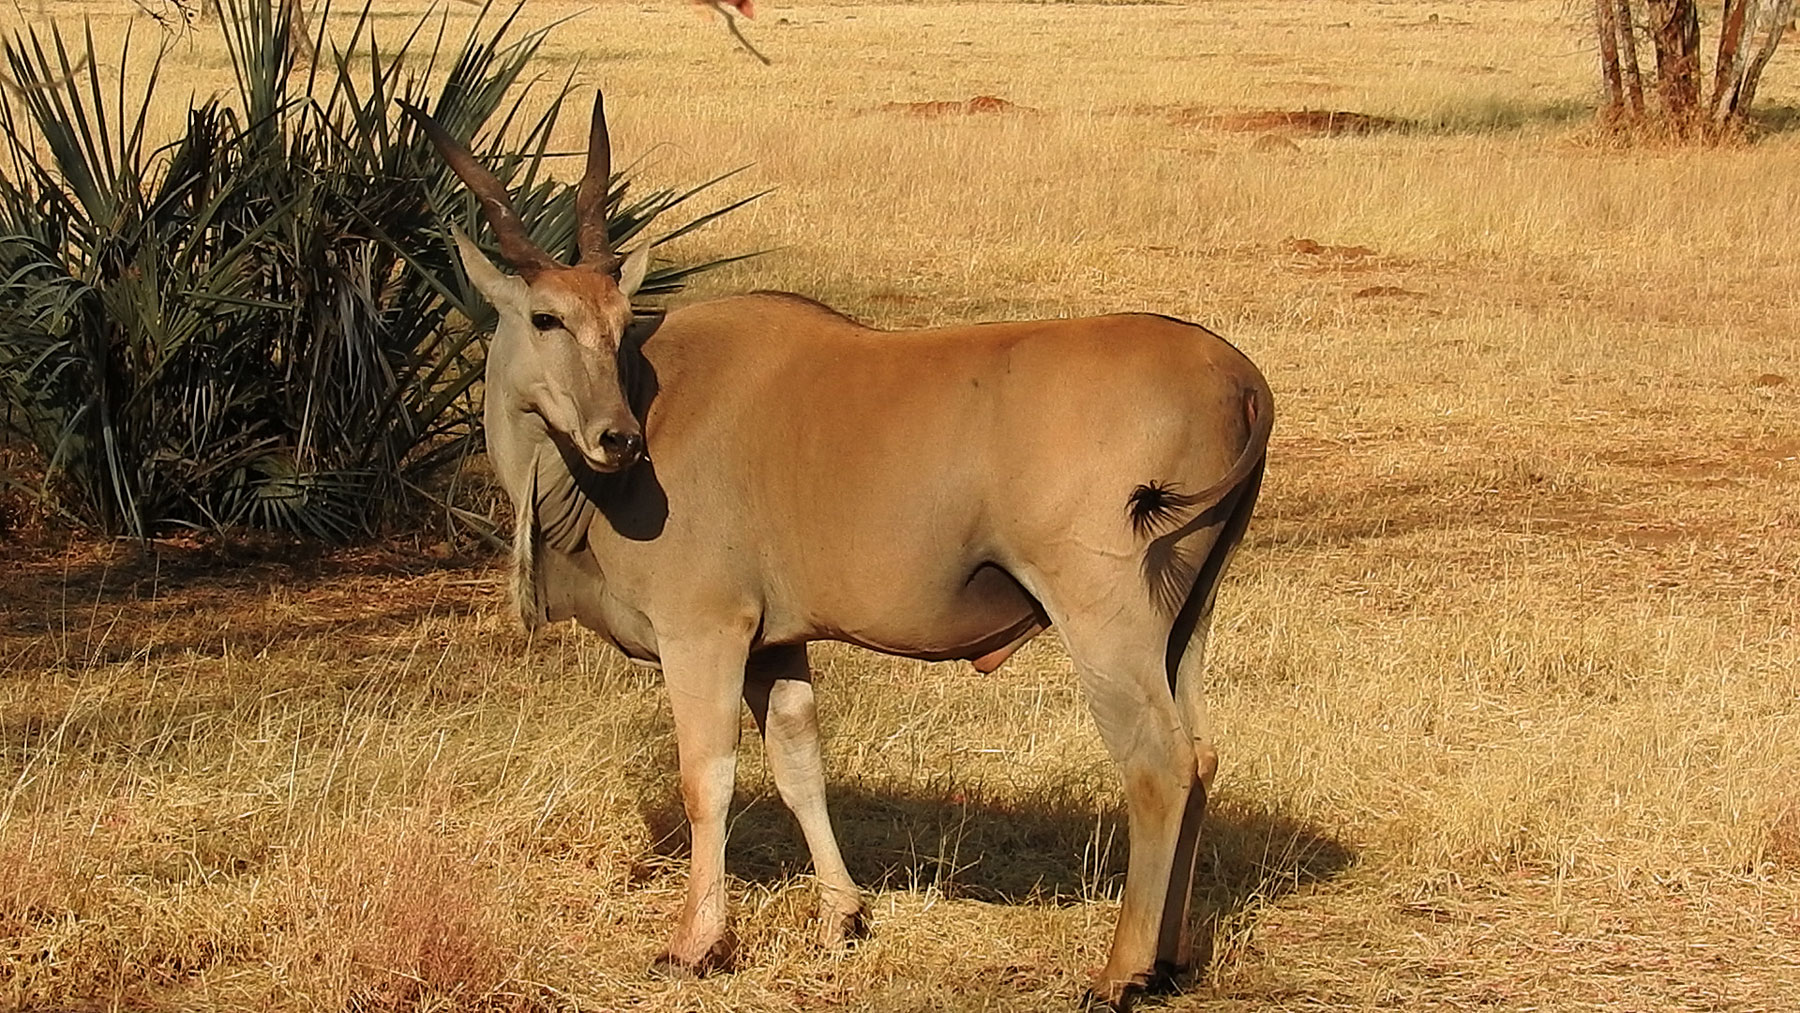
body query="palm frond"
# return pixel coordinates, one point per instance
(263, 322)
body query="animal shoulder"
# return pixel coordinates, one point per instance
(800, 302)
(759, 316)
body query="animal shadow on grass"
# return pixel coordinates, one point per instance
(1054, 849)
(1776, 119)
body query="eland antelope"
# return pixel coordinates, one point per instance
(714, 488)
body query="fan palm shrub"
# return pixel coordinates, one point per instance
(262, 322)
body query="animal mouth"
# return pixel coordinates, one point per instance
(606, 464)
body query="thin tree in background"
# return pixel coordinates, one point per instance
(1747, 39)
(300, 41)
(1749, 31)
(1606, 26)
(1634, 78)
(1675, 31)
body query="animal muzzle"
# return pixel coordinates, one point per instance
(614, 448)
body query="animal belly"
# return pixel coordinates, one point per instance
(985, 615)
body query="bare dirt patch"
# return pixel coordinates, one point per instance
(980, 105)
(1324, 251)
(1310, 122)
(1386, 292)
(1273, 142)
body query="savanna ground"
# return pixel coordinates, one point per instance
(1506, 675)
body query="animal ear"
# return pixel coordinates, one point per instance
(504, 290)
(637, 264)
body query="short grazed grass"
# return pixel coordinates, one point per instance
(1506, 676)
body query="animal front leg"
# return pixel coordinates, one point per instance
(705, 679)
(779, 689)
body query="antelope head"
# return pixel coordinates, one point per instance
(555, 352)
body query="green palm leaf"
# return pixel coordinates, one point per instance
(262, 323)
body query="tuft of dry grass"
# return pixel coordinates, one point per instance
(393, 912)
(1506, 677)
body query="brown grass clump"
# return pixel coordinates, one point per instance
(1273, 143)
(1784, 837)
(1386, 292)
(388, 916)
(21, 518)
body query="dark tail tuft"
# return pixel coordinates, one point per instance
(1154, 504)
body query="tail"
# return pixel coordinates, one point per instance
(1155, 504)
(1164, 516)
(1259, 410)
(1187, 634)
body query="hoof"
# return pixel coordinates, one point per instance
(1167, 977)
(1095, 1002)
(843, 928)
(717, 958)
(1114, 995)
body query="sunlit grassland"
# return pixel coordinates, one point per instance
(1506, 674)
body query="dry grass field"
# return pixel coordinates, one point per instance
(1507, 674)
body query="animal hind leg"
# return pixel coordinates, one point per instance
(778, 686)
(1174, 948)
(1120, 664)
(1186, 664)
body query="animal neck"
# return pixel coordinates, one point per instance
(569, 497)
(637, 377)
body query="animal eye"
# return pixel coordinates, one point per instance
(546, 321)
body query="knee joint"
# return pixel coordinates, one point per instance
(791, 713)
(704, 791)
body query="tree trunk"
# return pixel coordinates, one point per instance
(1752, 30)
(1729, 67)
(300, 41)
(1607, 29)
(1675, 28)
(1634, 78)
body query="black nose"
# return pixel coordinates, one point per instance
(622, 446)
